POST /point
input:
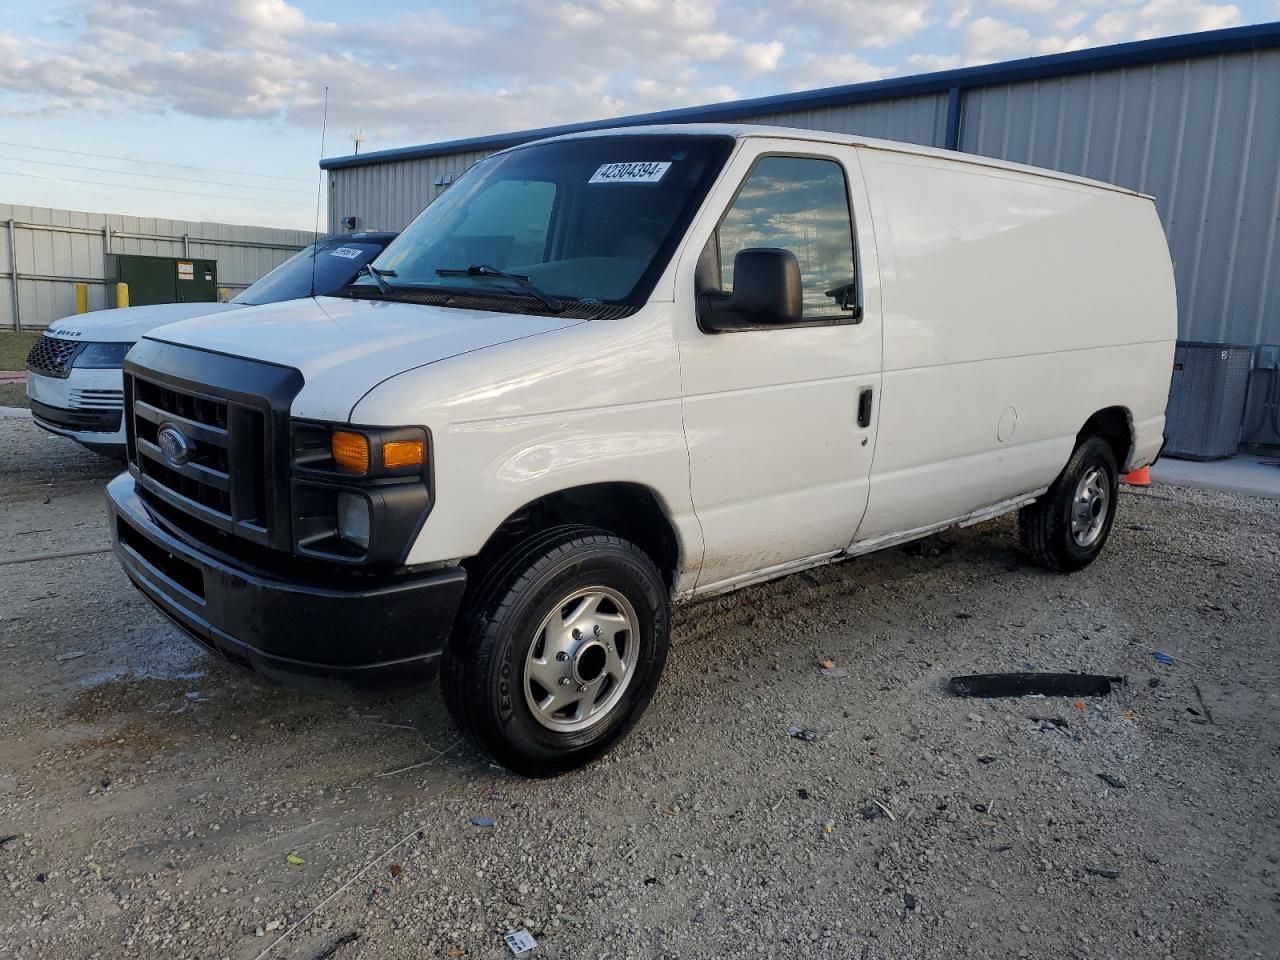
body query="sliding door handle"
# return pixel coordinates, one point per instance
(864, 408)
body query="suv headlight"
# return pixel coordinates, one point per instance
(101, 356)
(360, 494)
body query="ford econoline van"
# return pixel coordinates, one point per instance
(615, 370)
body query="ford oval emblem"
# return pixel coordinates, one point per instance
(174, 445)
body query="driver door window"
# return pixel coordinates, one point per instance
(799, 204)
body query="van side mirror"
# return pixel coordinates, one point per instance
(766, 293)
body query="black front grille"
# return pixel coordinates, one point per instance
(52, 356)
(216, 432)
(226, 465)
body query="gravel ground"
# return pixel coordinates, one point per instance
(165, 806)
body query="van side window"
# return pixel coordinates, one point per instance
(799, 204)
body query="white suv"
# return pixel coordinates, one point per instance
(73, 370)
(614, 370)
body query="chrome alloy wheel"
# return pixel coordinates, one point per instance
(1089, 507)
(581, 660)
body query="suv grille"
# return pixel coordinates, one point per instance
(219, 435)
(52, 356)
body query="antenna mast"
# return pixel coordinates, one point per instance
(324, 126)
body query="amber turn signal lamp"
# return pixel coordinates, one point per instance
(351, 451)
(403, 453)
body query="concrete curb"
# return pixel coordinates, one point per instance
(15, 412)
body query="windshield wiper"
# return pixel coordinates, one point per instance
(484, 270)
(383, 286)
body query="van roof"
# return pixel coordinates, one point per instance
(742, 131)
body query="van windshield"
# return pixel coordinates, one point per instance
(591, 220)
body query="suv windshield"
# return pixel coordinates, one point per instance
(337, 261)
(592, 219)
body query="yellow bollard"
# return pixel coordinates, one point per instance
(122, 294)
(82, 298)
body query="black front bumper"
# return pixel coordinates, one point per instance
(352, 632)
(79, 421)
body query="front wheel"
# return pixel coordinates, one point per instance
(560, 652)
(1066, 529)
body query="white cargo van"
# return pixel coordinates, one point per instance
(613, 370)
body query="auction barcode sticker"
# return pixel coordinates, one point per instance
(347, 253)
(642, 171)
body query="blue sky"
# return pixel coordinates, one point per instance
(211, 111)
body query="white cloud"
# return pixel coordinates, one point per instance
(827, 70)
(990, 39)
(762, 57)
(1028, 6)
(434, 74)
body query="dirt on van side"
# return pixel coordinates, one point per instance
(155, 803)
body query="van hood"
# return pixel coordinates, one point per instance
(344, 348)
(128, 324)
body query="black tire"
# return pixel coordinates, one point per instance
(1045, 526)
(483, 671)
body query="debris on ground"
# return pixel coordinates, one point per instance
(483, 822)
(1208, 714)
(337, 945)
(70, 655)
(802, 733)
(295, 860)
(1059, 722)
(1162, 657)
(827, 668)
(909, 900)
(1111, 781)
(1100, 872)
(1032, 684)
(520, 941)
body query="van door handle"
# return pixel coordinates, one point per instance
(864, 408)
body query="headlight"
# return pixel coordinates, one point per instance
(359, 494)
(353, 519)
(101, 356)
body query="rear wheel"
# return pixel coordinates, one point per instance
(560, 652)
(1067, 528)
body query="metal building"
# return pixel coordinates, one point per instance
(1193, 120)
(46, 252)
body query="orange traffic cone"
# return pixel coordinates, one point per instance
(1138, 478)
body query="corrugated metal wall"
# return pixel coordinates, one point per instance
(1202, 136)
(58, 248)
(909, 119)
(387, 196)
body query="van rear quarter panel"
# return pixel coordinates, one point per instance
(1015, 306)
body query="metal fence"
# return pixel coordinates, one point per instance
(46, 252)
